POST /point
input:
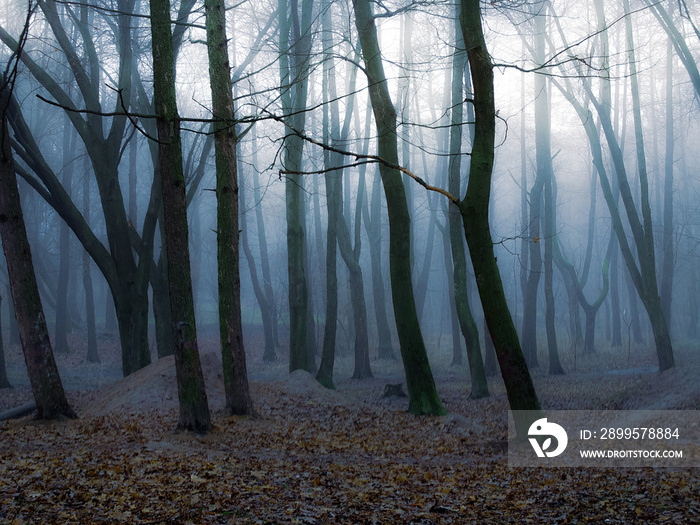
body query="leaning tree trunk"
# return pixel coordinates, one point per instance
(46, 383)
(423, 397)
(194, 410)
(474, 209)
(479, 384)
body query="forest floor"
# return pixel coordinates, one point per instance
(319, 456)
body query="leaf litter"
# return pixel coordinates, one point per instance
(320, 456)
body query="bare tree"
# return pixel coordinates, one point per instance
(474, 209)
(194, 410)
(423, 398)
(238, 399)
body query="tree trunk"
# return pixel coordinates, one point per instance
(545, 171)
(4, 382)
(46, 383)
(325, 370)
(423, 398)
(293, 86)
(455, 329)
(668, 237)
(262, 290)
(62, 286)
(349, 252)
(479, 385)
(474, 209)
(373, 226)
(194, 411)
(529, 330)
(238, 399)
(270, 351)
(92, 355)
(333, 179)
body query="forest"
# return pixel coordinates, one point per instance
(253, 251)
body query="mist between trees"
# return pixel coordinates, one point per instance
(511, 183)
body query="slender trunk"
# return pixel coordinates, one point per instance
(474, 209)
(529, 329)
(524, 220)
(269, 353)
(271, 346)
(293, 85)
(92, 355)
(545, 170)
(372, 213)
(479, 385)
(133, 178)
(634, 318)
(668, 237)
(238, 399)
(333, 179)
(63, 319)
(194, 410)
(645, 237)
(423, 398)
(325, 370)
(455, 329)
(373, 225)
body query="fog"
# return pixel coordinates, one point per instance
(585, 56)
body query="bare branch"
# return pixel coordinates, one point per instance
(367, 158)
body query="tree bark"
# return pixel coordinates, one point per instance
(479, 384)
(423, 398)
(293, 86)
(46, 383)
(194, 411)
(92, 355)
(4, 382)
(238, 399)
(474, 209)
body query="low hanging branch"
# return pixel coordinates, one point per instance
(361, 159)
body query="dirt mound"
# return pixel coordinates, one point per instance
(154, 388)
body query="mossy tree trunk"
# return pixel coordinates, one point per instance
(423, 397)
(194, 410)
(479, 384)
(238, 399)
(293, 87)
(474, 209)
